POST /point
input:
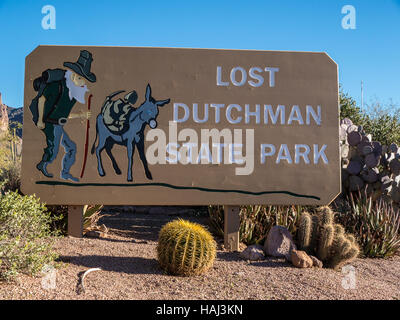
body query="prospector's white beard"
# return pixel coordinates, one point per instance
(75, 92)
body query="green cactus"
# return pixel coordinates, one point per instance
(320, 236)
(325, 215)
(325, 241)
(304, 234)
(344, 251)
(351, 238)
(339, 230)
(314, 233)
(185, 248)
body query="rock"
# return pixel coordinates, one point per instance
(364, 137)
(370, 175)
(300, 259)
(342, 132)
(354, 167)
(395, 166)
(355, 183)
(393, 148)
(377, 148)
(253, 253)
(344, 150)
(279, 243)
(372, 160)
(352, 153)
(316, 262)
(367, 150)
(364, 148)
(389, 157)
(386, 183)
(345, 175)
(347, 121)
(361, 146)
(96, 234)
(352, 128)
(354, 138)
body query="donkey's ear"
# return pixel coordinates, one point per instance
(148, 92)
(162, 102)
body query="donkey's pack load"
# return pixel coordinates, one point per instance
(168, 126)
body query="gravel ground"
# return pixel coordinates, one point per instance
(130, 271)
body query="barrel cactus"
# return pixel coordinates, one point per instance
(185, 248)
(318, 235)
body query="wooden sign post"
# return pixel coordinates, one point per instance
(75, 221)
(231, 227)
(164, 126)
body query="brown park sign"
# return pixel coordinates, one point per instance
(180, 126)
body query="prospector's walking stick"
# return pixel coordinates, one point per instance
(87, 138)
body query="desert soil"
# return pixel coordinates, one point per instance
(130, 270)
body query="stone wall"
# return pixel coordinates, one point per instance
(369, 164)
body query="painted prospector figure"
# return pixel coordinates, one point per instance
(58, 91)
(120, 123)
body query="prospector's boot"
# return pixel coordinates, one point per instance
(68, 176)
(41, 166)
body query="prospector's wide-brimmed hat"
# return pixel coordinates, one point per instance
(82, 66)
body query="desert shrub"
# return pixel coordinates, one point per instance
(91, 216)
(59, 219)
(349, 109)
(256, 220)
(375, 223)
(320, 236)
(216, 215)
(185, 248)
(10, 163)
(25, 236)
(287, 216)
(10, 176)
(381, 121)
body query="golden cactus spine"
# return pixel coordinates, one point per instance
(325, 215)
(325, 241)
(318, 235)
(314, 233)
(305, 231)
(185, 248)
(344, 250)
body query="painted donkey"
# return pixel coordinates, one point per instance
(133, 136)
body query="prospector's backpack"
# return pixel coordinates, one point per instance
(116, 112)
(39, 84)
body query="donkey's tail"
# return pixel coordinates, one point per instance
(94, 142)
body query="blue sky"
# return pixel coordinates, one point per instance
(370, 53)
